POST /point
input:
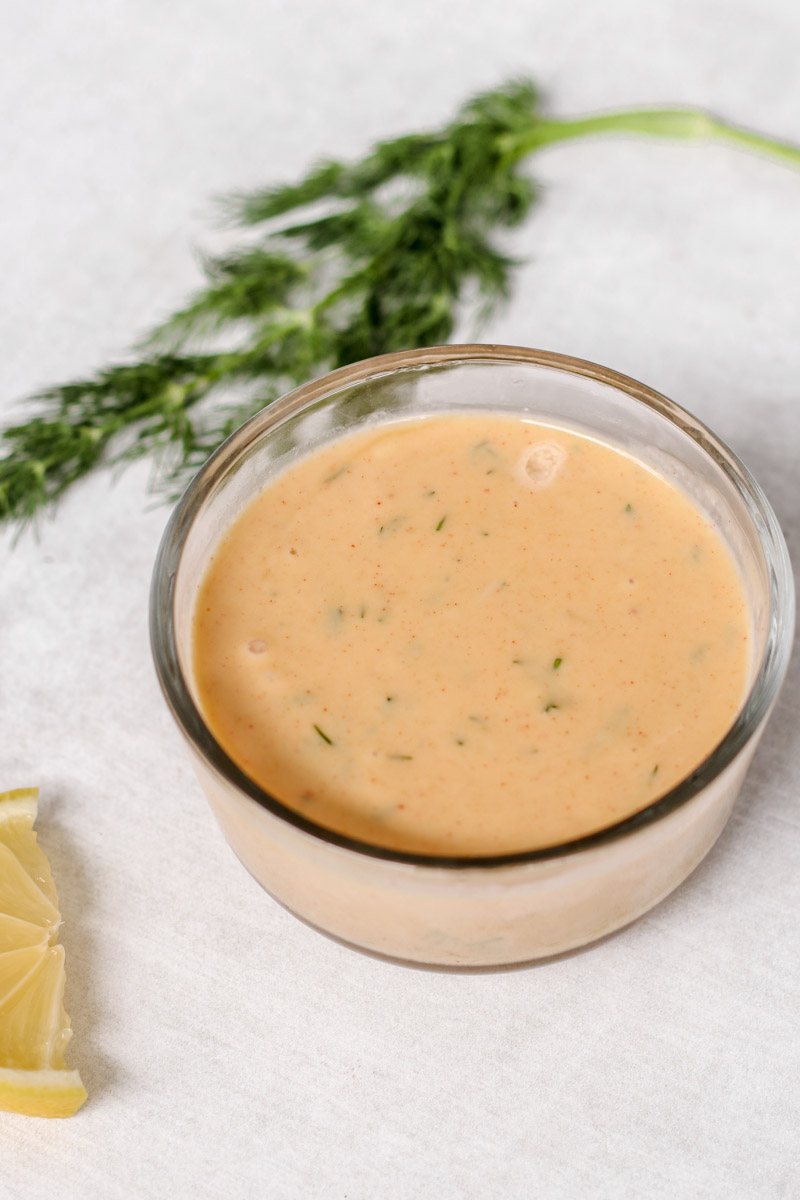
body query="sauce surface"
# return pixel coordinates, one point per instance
(469, 635)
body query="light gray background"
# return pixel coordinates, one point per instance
(228, 1050)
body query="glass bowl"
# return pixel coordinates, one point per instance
(515, 907)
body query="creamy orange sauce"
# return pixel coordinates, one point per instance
(470, 634)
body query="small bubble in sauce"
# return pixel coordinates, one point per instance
(256, 646)
(540, 464)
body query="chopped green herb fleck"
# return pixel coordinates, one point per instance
(517, 661)
(323, 735)
(628, 508)
(655, 770)
(400, 757)
(441, 523)
(459, 741)
(363, 611)
(432, 492)
(557, 663)
(390, 699)
(484, 533)
(550, 706)
(336, 474)
(490, 471)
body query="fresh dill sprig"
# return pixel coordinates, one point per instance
(354, 260)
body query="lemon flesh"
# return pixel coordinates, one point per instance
(34, 1028)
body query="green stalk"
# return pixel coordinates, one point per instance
(686, 124)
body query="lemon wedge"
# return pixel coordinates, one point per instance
(34, 1028)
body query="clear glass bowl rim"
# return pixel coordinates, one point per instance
(756, 707)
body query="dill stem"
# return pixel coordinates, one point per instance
(686, 124)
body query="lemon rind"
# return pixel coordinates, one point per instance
(21, 802)
(44, 1093)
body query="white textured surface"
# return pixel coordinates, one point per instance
(230, 1051)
